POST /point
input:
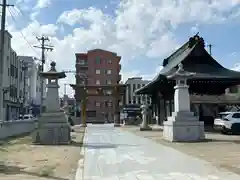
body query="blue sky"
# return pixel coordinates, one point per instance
(142, 32)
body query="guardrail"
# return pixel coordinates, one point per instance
(16, 127)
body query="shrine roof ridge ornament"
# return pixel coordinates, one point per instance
(191, 43)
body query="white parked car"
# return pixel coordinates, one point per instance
(27, 117)
(225, 121)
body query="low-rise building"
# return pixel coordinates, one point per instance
(12, 81)
(32, 85)
(133, 84)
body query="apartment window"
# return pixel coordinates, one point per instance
(9, 44)
(108, 103)
(109, 71)
(98, 82)
(109, 61)
(98, 60)
(12, 70)
(16, 72)
(82, 62)
(109, 81)
(98, 71)
(108, 92)
(98, 104)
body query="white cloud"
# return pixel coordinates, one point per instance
(43, 4)
(139, 27)
(236, 67)
(34, 15)
(167, 40)
(195, 29)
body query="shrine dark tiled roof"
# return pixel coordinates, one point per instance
(209, 69)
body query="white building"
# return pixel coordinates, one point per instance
(135, 83)
(12, 81)
(32, 82)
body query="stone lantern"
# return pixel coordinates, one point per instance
(145, 118)
(182, 125)
(53, 127)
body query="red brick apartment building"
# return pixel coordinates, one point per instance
(95, 69)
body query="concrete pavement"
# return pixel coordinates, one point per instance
(113, 154)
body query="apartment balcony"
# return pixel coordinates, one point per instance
(82, 66)
(82, 75)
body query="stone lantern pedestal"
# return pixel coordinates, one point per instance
(182, 125)
(53, 127)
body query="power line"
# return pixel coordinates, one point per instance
(21, 13)
(24, 37)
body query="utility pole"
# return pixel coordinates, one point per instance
(24, 68)
(3, 23)
(210, 48)
(65, 89)
(43, 47)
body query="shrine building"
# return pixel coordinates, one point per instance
(207, 87)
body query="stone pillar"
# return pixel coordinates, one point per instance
(116, 117)
(162, 114)
(145, 111)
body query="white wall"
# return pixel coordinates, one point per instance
(15, 128)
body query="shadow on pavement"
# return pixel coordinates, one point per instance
(222, 140)
(10, 170)
(106, 146)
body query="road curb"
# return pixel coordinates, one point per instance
(80, 169)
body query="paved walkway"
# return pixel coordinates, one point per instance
(113, 154)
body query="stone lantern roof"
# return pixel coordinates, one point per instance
(52, 73)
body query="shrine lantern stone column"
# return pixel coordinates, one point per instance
(182, 125)
(53, 127)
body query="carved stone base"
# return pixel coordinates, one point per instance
(83, 125)
(183, 131)
(117, 120)
(145, 128)
(53, 129)
(157, 127)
